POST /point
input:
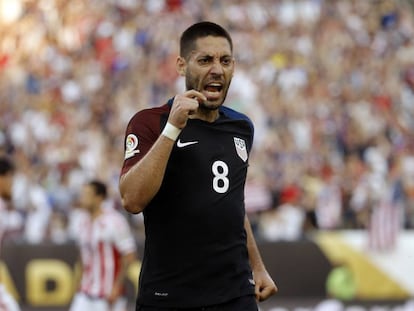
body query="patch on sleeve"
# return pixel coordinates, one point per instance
(240, 148)
(131, 144)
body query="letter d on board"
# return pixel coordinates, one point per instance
(49, 282)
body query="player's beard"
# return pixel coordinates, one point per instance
(194, 83)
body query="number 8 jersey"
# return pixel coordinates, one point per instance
(195, 246)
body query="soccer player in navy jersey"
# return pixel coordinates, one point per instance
(185, 168)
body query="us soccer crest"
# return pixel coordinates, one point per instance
(240, 148)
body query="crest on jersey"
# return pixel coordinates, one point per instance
(240, 148)
(131, 143)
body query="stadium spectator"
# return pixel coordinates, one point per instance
(319, 79)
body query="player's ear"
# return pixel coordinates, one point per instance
(180, 66)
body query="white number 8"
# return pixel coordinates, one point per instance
(220, 181)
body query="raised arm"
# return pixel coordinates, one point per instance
(264, 285)
(140, 184)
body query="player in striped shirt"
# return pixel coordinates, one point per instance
(107, 247)
(7, 302)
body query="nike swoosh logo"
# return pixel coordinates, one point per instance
(188, 143)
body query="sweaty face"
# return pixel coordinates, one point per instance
(209, 70)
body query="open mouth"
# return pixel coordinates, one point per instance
(213, 90)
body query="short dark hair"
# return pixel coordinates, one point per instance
(99, 188)
(6, 166)
(201, 30)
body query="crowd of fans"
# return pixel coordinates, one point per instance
(329, 86)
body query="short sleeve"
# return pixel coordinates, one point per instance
(142, 131)
(123, 239)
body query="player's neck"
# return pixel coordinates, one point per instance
(95, 212)
(206, 115)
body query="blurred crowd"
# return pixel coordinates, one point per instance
(329, 86)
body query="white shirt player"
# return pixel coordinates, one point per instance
(102, 242)
(7, 302)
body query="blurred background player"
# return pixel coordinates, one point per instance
(7, 302)
(107, 247)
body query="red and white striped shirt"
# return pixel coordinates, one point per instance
(103, 241)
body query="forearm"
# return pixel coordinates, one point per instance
(255, 259)
(78, 273)
(120, 279)
(264, 285)
(140, 184)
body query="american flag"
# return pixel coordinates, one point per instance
(385, 222)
